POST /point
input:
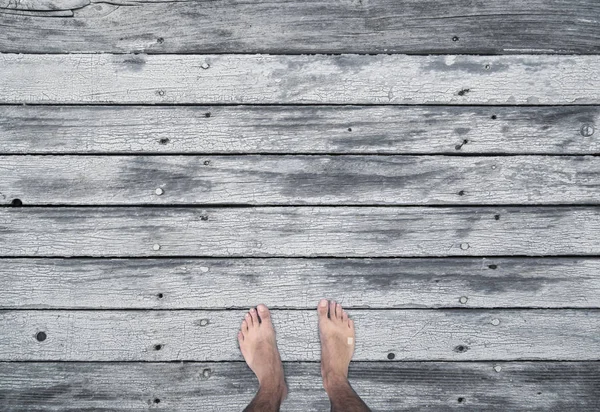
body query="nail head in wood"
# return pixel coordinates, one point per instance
(495, 322)
(41, 336)
(156, 246)
(206, 373)
(204, 322)
(464, 246)
(159, 191)
(587, 130)
(205, 65)
(463, 299)
(497, 368)
(203, 269)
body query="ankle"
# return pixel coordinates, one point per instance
(333, 382)
(273, 387)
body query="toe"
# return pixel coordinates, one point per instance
(264, 313)
(240, 337)
(332, 309)
(322, 308)
(248, 319)
(254, 316)
(338, 311)
(344, 317)
(351, 324)
(244, 326)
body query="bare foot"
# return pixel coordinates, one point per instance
(336, 331)
(258, 345)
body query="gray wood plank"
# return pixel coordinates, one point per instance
(300, 129)
(383, 26)
(294, 79)
(197, 335)
(414, 386)
(241, 283)
(299, 180)
(299, 231)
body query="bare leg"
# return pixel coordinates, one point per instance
(258, 345)
(336, 331)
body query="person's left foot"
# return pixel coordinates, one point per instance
(259, 348)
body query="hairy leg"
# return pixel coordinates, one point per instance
(336, 331)
(259, 348)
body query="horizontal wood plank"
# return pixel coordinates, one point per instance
(299, 231)
(299, 79)
(299, 129)
(314, 26)
(241, 283)
(495, 387)
(411, 335)
(299, 180)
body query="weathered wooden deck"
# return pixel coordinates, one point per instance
(434, 166)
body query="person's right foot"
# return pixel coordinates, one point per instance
(336, 331)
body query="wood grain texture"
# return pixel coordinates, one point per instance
(443, 334)
(241, 283)
(300, 129)
(414, 386)
(294, 79)
(300, 231)
(299, 180)
(314, 26)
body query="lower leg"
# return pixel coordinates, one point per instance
(336, 331)
(268, 399)
(343, 398)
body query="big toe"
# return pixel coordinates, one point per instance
(322, 308)
(264, 313)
